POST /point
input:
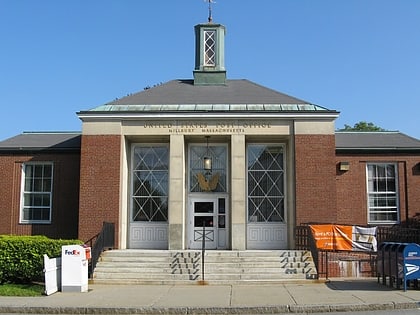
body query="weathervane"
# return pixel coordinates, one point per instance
(210, 15)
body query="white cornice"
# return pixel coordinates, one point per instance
(91, 116)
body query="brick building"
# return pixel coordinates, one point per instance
(40, 184)
(378, 178)
(247, 162)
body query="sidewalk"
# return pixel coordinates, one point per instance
(336, 295)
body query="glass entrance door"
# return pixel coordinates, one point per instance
(207, 220)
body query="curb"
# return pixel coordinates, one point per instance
(280, 309)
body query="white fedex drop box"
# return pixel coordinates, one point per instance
(74, 268)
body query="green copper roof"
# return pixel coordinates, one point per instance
(184, 96)
(209, 107)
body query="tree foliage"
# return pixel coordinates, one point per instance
(362, 126)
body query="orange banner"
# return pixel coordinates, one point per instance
(343, 237)
(333, 237)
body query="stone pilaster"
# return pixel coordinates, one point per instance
(176, 211)
(238, 202)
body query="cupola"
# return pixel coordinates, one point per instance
(209, 53)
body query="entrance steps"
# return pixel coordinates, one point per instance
(220, 267)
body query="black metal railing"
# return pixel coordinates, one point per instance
(305, 241)
(203, 251)
(398, 234)
(102, 241)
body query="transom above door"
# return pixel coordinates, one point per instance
(207, 178)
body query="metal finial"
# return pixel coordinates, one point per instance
(210, 19)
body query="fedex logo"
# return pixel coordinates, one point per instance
(73, 252)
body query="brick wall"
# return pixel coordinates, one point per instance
(99, 184)
(315, 178)
(352, 190)
(65, 203)
(346, 264)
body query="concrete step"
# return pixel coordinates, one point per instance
(220, 271)
(149, 266)
(200, 282)
(208, 265)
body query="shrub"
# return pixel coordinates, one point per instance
(22, 257)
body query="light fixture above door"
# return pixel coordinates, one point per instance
(207, 159)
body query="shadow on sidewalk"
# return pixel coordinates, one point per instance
(357, 285)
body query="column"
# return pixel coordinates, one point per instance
(238, 197)
(176, 192)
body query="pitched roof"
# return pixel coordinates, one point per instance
(36, 141)
(375, 141)
(183, 95)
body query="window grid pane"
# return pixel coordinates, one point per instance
(209, 48)
(37, 193)
(265, 183)
(150, 183)
(382, 193)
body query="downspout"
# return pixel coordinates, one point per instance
(293, 143)
(406, 192)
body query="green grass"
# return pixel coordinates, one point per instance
(21, 290)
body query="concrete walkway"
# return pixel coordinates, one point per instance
(336, 295)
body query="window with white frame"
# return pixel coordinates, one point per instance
(150, 183)
(382, 183)
(36, 199)
(266, 183)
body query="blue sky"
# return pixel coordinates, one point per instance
(359, 57)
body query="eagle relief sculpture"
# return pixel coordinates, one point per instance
(208, 184)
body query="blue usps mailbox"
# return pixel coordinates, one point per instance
(380, 262)
(391, 262)
(384, 261)
(409, 262)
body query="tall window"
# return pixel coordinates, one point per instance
(382, 193)
(36, 200)
(209, 48)
(150, 183)
(265, 183)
